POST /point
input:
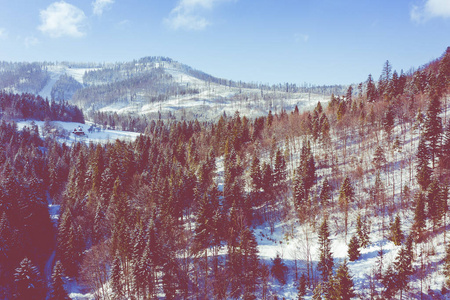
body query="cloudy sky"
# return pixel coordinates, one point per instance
(268, 41)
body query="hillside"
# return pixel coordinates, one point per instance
(347, 200)
(153, 86)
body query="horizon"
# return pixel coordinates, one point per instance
(306, 42)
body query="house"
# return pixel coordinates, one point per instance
(78, 131)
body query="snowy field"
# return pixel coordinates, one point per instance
(101, 136)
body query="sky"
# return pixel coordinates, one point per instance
(265, 41)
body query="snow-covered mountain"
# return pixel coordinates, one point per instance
(158, 86)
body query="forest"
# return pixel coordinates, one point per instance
(185, 211)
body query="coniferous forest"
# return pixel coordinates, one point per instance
(189, 208)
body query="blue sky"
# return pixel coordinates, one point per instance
(268, 41)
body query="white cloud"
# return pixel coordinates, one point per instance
(30, 41)
(98, 6)
(430, 9)
(3, 33)
(188, 14)
(62, 19)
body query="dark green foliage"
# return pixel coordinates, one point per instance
(423, 174)
(346, 195)
(344, 283)
(433, 128)
(362, 232)
(28, 106)
(301, 288)
(28, 282)
(57, 289)
(379, 158)
(353, 248)
(445, 151)
(325, 193)
(419, 214)
(325, 264)
(279, 269)
(447, 265)
(116, 278)
(396, 235)
(69, 244)
(435, 202)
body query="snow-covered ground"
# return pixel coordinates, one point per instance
(97, 136)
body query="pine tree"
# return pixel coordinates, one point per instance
(325, 193)
(419, 214)
(279, 172)
(58, 292)
(28, 281)
(353, 249)
(116, 278)
(433, 128)
(434, 203)
(279, 269)
(423, 174)
(344, 283)
(362, 232)
(379, 159)
(346, 195)
(445, 151)
(301, 287)
(396, 232)
(325, 264)
(318, 292)
(249, 261)
(403, 266)
(447, 265)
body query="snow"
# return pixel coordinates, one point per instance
(102, 136)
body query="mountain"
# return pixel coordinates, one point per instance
(154, 85)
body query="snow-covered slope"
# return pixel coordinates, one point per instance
(101, 136)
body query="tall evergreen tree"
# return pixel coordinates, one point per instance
(28, 281)
(57, 289)
(344, 283)
(423, 174)
(362, 232)
(301, 289)
(396, 232)
(116, 278)
(325, 193)
(346, 195)
(435, 203)
(353, 249)
(419, 214)
(433, 128)
(325, 264)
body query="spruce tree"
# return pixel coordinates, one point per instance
(403, 266)
(353, 249)
(344, 283)
(433, 128)
(419, 214)
(434, 203)
(57, 289)
(279, 269)
(447, 265)
(346, 195)
(445, 151)
(423, 174)
(362, 232)
(116, 278)
(325, 193)
(396, 232)
(301, 288)
(325, 264)
(28, 282)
